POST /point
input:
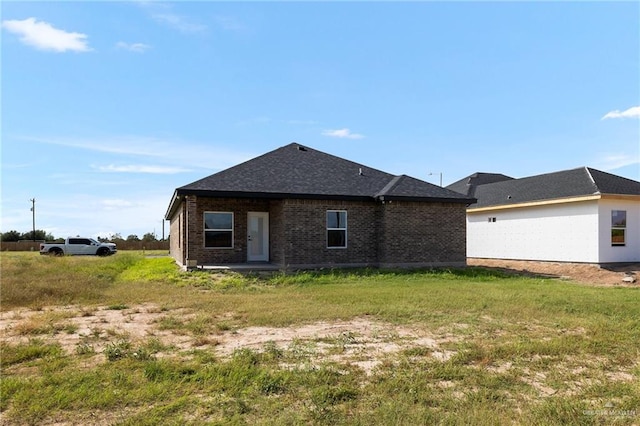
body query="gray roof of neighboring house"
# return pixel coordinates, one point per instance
(579, 182)
(468, 185)
(296, 171)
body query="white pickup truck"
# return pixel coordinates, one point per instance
(78, 246)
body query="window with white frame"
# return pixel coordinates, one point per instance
(218, 229)
(618, 227)
(336, 228)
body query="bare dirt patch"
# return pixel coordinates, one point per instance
(362, 342)
(582, 273)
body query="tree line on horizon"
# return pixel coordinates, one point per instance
(41, 235)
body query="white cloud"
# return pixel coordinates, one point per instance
(616, 161)
(302, 122)
(163, 14)
(115, 204)
(179, 153)
(44, 36)
(342, 133)
(178, 22)
(121, 145)
(133, 47)
(137, 168)
(229, 23)
(255, 120)
(92, 216)
(629, 113)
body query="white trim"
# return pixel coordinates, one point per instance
(534, 203)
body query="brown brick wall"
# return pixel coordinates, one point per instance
(276, 233)
(305, 232)
(394, 233)
(426, 233)
(176, 231)
(240, 208)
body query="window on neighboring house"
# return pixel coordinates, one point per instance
(491, 219)
(218, 229)
(336, 229)
(618, 227)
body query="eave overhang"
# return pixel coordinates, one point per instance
(535, 203)
(173, 205)
(179, 194)
(386, 198)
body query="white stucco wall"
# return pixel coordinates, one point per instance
(630, 252)
(560, 232)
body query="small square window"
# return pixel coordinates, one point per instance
(619, 218)
(617, 237)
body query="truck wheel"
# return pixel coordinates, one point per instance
(103, 252)
(56, 252)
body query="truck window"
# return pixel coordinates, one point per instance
(82, 241)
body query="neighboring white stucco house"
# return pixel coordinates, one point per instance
(579, 215)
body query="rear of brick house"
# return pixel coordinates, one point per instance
(296, 207)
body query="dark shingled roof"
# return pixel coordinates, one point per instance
(468, 185)
(296, 171)
(579, 182)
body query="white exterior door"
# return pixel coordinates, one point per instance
(258, 236)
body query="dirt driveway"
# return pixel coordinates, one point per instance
(582, 273)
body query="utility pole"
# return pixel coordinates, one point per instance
(437, 173)
(33, 211)
(162, 229)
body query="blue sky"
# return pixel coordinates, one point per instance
(107, 107)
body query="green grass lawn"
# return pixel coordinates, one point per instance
(521, 350)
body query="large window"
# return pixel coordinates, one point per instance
(618, 227)
(336, 229)
(218, 229)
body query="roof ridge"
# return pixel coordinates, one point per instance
(593, 180)
(389, 186)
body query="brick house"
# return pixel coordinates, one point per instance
(296, 207)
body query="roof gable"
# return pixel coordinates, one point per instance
(468, 185)
(404, 186)
(296, 171)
